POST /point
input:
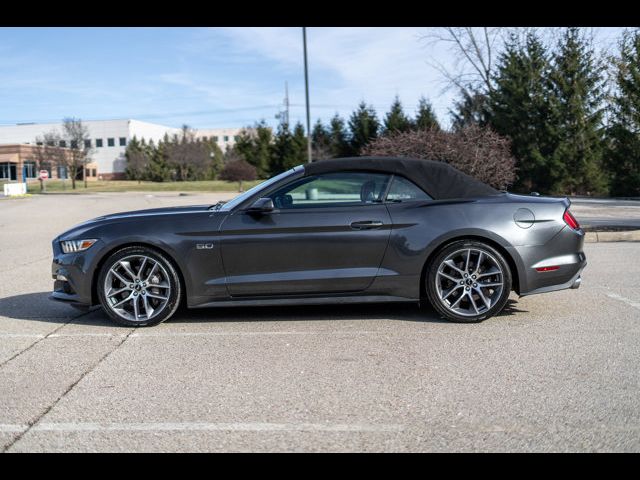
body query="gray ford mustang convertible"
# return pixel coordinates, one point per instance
(334, 231)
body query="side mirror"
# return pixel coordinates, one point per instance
(262, 205)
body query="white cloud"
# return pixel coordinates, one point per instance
(361, 63)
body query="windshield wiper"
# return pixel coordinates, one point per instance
(217, 206)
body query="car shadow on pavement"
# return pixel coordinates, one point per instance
(407, 312)
(511, 309)
(38, 307)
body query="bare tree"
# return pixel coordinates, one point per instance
(189, 157)
(473, 50)
(238, 171)
(76, 137)
(476, 151)
(49, 155)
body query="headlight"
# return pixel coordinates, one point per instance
(71, 246)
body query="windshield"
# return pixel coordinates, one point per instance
(243, 196)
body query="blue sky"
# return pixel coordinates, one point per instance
(216, 77)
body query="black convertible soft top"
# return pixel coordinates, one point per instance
(438, 179)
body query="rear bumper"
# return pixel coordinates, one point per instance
(574, 282)
(564, 252)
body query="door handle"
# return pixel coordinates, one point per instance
(366, 225)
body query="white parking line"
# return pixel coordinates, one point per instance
(623, 299)
(12, 428)
(87, 334)
(60, 335)
(218, 334)
(21, 335)
(205, 426)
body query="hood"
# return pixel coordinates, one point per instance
(154, 211)
(79, 229)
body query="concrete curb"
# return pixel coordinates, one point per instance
(597, 237)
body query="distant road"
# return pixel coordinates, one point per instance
(606, 212)
(613, 202)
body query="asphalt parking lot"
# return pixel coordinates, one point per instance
(555, 372)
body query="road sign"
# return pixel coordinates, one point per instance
(44, 174)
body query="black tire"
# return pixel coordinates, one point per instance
(432, 278)
(170, 305)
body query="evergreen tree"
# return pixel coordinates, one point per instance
(471, 110)
(159, 170)
(320, 141)
(288, 149)
(426, 117)
(576, 101)
(623, 159)
(217, 159)
(339, 143)
(299, 145)
(396, 120)
(138, 159)
(254, 146)
(363, 127)
(520, 109)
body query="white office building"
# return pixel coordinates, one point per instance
(109, 139)
(224, 137)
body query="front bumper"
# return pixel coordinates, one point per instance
(72, 274)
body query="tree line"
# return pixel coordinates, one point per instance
(261, 152)
(557, 119)
(572, 115)
(178, 157)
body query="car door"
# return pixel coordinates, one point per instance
(327, 234)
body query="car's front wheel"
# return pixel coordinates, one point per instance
(138, 286)
(468, 281)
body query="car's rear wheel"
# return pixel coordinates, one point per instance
(468, 281)
(138, 287)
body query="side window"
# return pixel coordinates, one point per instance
(332, 189)
(403, 190)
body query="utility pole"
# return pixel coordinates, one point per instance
(306, 89)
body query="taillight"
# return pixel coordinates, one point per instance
(570, 220)
(547, 269)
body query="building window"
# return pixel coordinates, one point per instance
(63, 144)
(236, 138)
(62, 172)
(215, 138)
(87, 143)
(111, 142)
(30, 169)
(123, 142)
(226, 138)
(8, 171)
(93, 172)
(74, 144)
(98, 143)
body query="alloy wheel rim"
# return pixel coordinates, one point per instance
(469, 281)
(137, 288)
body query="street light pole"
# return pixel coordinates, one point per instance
(306, 89)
